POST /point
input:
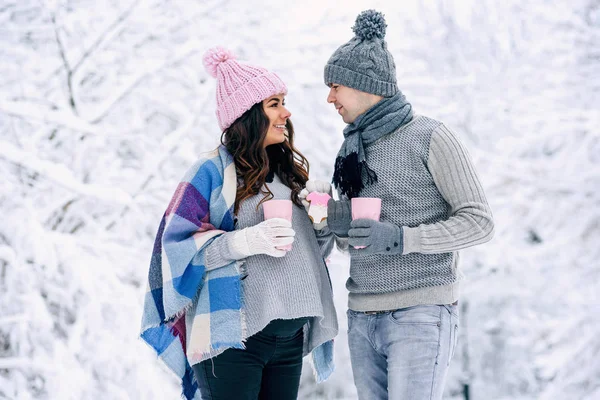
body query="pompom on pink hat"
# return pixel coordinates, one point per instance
(239, 86)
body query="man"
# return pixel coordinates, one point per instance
(404, 285)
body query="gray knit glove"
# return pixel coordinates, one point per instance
(378, 237)
(339, 216)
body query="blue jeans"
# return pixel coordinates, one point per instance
(402, 354)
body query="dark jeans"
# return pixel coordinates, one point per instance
(268, 369)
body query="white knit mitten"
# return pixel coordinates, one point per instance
(263, 238)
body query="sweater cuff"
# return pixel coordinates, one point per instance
(222, 252)
(341, 243)
(411, 240)
(238, 244)
(325, 231)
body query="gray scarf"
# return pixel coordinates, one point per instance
(381, 119)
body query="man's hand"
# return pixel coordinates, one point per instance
(339, 217)
(377, 237)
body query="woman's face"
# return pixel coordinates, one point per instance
(278, 115)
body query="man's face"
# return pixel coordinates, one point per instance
(350, 103)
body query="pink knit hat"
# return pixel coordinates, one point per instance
(239, 86)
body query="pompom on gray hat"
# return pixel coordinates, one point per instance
(364, 63)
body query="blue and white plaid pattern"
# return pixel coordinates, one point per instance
(184, 310)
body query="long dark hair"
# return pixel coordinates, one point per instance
(244, 141)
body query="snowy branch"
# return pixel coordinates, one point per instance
(107, 35)
(61, 175)
(36, 112)
(68, 69)
(149, 69)
(13, 319)
(13, 363)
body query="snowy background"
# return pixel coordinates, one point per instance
(105, 103)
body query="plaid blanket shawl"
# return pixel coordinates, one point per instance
(190, 314)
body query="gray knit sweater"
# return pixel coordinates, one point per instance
(429, 187)
(296, 285)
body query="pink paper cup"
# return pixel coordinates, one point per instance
(278, 209)
(365, 207)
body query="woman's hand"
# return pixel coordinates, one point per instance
(311, 187)
(263, 238)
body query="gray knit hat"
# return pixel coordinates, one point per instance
(364, 63)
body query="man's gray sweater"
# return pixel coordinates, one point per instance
(430, 189)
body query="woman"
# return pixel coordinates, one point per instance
(229, 311)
